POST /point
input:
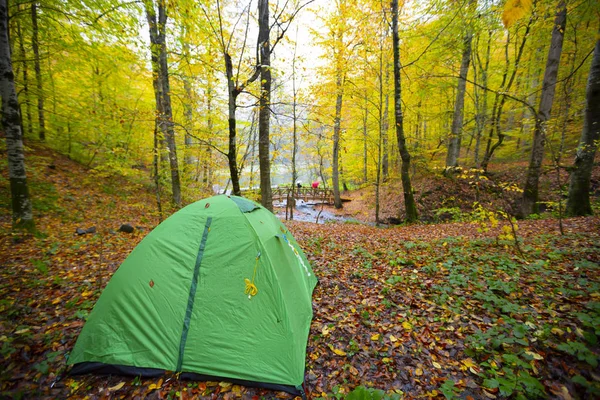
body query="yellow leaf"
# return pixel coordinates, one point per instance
(86, 294)
(535, 356)
(437, 365)
(116, 387)
(393, 338)
(557, 331)
(339, 352)
(467, 362)
(153, 386)
(386, 360)
(325, 331)
(57, 300)
(406, 325)
(375, 336)
(418, 372)
(225, 384)
(20, 331)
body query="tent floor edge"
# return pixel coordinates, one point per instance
(128, 370)
(114, 369)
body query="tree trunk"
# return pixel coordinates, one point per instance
(529, 200)
(265, 100)
(385, 124)
(410, 206)
(38, 71)
(188, 112)
(23, 55)
(337, 201)
(232, 152)
(22, 215)
(481, 117)
(457, 121)
(578, 202)
(159, 53)
(500, 99)
(365, 115)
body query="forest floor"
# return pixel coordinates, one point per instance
(445, 310)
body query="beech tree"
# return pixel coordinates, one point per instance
(457, 120)
(35, 44)
(158, 46)
(264, 113)
(22, 215)
(410, 207)
(529, 201)
(578, 202)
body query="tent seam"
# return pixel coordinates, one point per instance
(192, 295)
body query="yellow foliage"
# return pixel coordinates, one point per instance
(515, 10)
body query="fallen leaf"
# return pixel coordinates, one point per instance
(375, 337)
(116, 387)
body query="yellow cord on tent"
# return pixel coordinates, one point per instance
(251, 289)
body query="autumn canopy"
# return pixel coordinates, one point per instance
(220, 289)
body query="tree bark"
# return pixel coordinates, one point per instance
(25, 80)
(159, 51)
(264, 114)
(578, 201)
(232, 151)
(410, 206)
(457, 121)
(22, 215)
(528, 204)
(38, 71)
(337, 201)
(385, 124)
(365, 118)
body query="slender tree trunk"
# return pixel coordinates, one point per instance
(159, 52)
(500, 99)
(337, 201)
(38, 72)
(385, 125)
(25, 80)
(457, 121)
(365, 116)
(207, 174)
(22, 215)
(232, 152)
(410, 206)
(529, 200)
(189, 121)
(482, 111)
(265, 104)
(578, 202)
(167, 121)
(294, 131)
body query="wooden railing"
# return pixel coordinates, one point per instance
(306, 194)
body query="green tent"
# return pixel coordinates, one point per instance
(218, 291)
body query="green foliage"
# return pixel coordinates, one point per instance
(364, 393)
(449, 390)
(581, 351)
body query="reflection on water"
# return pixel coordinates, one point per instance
(308, 212)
